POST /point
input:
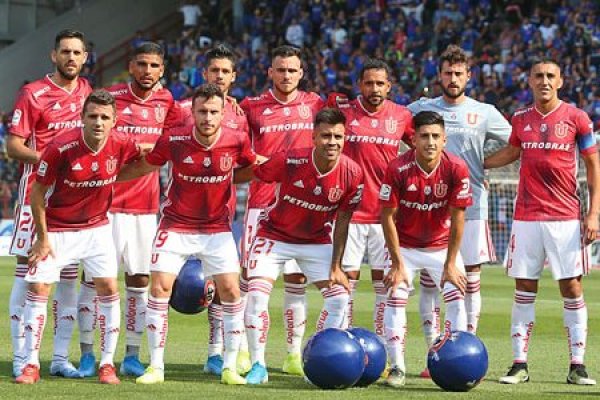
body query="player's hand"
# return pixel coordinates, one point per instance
(338, 277)
(39, 251)
(395, 276)
(454, 276)
(236, 107)
(590, 228)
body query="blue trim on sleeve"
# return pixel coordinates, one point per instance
(586, 141)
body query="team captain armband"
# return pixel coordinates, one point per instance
(586, 143)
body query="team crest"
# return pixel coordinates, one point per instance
(472, 118)
(111, 165)
(427, 190)
(543, 128)
(304, 111)
(73, 107)
(226, 162)
(374, 123)
(286, 111)
(317, 190)
(160, 114)
(391, 125)
(206, 162)
(440, 189)
(561, 129)
(144, 113)
(95, 166)
(335, 194)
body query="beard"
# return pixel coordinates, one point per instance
(68, 75)
(144, 86)
(451, 95)
(374, 101)
(286, 92)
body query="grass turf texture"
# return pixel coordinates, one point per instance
(186, 352)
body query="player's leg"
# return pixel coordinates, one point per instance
(378, 259)
(214, 362)
(356, 245)
(136, 299)
(294, 316)
(265, 262)
(87, 316)
(429, 311)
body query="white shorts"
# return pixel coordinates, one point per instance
(92, 247)
(268, 257)
(23, 231)
(432, 261)
(477, 247)
(133, 235)
(216, 251)
(531, 242)
(253, 216)
(363, 237)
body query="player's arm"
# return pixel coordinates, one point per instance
(590, 223)
(451, 273)
(246, 174)
(136, 169)
(502, 157)
(18, 150)
(41, 248)
(340, 236)
(396, 274)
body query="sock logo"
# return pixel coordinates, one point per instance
(131, 311)
(102, 326)
(322, 319)
(289, 319)
(264, 316)
(163, 330)
(527, 336)
(41, 320)
(379, 313)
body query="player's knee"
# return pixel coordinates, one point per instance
(571, 288)
(294, 278)
(526, 285)
(137, 281)
(106, 286)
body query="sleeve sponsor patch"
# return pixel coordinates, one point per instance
(17, 117)
(385, 192)
(42, 168)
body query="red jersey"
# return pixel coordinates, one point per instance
(82, 180)
(373, 141)
(200, 178)
(307, 201)
(44, 111)
(424, 199)
(547, 188)
(275, 127)
(143, 120)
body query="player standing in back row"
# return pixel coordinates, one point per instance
(548, 138)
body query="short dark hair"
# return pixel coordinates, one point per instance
(208, 90)
(286, 51)
(149, 48)
(102, 97)
(68, 34)
(221, 52)
(453, 55)
(428, 118)
(374, 63)
(331, 116)
(543, 60)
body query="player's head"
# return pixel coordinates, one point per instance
(99, 115)
(208, 108)
(69, 53)
(286, 69)
(146, 66)
(430, 137)
(374, 82)
(454, 72)
(328, 134)
(220, 67)
(545, 80)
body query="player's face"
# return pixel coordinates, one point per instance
(286, 74)
(69, 58)
(220, 72)
(375, 86)
(208, 114)
(545, 80)
(98, 120)
(146, 70)
(429, 141)
(454, 78)
(329, 141)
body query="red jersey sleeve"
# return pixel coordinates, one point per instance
(586, 140)
(131, 151)
(175, 116)
(389, 188)
(354, 196)
(161, 153)
(272, 170)
(514, 139)
(247, 155)
(461, 196)
(25, 115)
(409, 129)
(49, 166)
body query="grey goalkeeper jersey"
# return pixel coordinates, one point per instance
(468, 126)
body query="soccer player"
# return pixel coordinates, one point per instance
(314, 185)
(423, 197)
(374, 128)
(44, 110)
(195, 222)
(469, 124)
(69, 201)
(281, 119)
(548, 137)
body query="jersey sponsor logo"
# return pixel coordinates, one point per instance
(143, 130)
(41, 91)
(203, 179)
(391, 125)
(226, 162)
(406, 166)
(111, 165)
(309, 206)
(127, 111)
(440, 189)
(95, 167)
(527, 128)
(77, 167)
(472, 118)
(354, 123)
(286, 111)
(561, 130)
(317, 190)
(56, 106)
(412, 188)
(231, 124)
(423, 206)
(543, 128)
(65, 124)
(385, 192)
(304, 111)
(299, 184)
(523, 111)
(178, 138)
(546, 146)
(90, 184)
(335, 194)
(267, 111)
(297, 161)
(293, 126)
(188, 160)
(68, 146)
(159, 114)
(43, 167)
(16, 118)
(207, 162)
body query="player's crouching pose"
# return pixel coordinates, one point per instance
(424, 195)
(81, 167)
(315, 185)
(195, 222)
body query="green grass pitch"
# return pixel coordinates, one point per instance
(186, 353)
